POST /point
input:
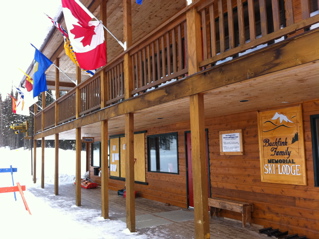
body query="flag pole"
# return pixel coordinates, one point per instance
(64, 73)
(123, 45)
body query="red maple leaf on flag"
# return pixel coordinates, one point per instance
(86, 32)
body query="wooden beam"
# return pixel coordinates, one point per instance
(78, 93)
(35, 108)
(127, 37)
(129, 171)
(34, 161)
(193, 40)
(57, 92)
(61, 84)
(287, 54)
(105, 171)
(56, 165)
(78, 146)
(42, 162)
(197, 120)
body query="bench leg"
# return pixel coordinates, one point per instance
(246, 215)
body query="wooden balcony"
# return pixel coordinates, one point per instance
(229, 31)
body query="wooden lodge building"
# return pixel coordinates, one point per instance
(211, 99)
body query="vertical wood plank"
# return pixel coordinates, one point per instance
(241, 23)
(305, 9)
(230, 24)
(78, 146)
(197, 123)
(104, 170)
(275, 14)
(252, 20)
(148, 66)
(153, 62)
(168, 54)
(129, 171)
(212, 30)
(263, 17)
(56, 165)
(42, 162)
(174, 50)
(221, 26)
(140, 71)
(163, 56)
(158, 60)
(179, 48)
(204, 33)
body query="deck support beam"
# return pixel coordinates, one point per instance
(129, 169)
(78, 146)
(197, 123)
(105, 171)
(56, 165)
(42, 162)
(199, 169)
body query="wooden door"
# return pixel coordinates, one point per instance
(190, 189)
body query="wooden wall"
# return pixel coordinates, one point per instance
(287, 207)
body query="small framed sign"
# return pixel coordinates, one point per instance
(231, 142)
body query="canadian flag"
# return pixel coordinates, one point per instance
(86, 36)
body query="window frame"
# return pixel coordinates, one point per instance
(157, 153)
(314, 127)
(92, 154)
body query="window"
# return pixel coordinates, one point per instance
(163, 153)
(96, 154)
(314, 119)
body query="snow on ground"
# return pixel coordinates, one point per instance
(48, 220)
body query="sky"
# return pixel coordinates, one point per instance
(22, 22)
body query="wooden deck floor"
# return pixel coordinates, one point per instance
(152, 218)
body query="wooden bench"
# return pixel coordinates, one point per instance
(217, 204)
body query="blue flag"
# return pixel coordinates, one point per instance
(139, 1)
(39, 79)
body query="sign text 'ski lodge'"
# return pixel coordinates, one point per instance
(282, 146)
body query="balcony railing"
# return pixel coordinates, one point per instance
(160, 60)
(228, 30)
(90, 95)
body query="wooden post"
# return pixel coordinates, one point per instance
(199, 166)
(56, 121)
(197, 121)
(35, 107)
(105, 171)
(127, 36)
(42, 164)
(78, 93)
(193, 40)
(129, 170)
(56, 165)
(78, 147)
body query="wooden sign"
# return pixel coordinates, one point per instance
(231, 142)
(87, 139)
(281, 146)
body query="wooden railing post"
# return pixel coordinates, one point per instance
(56, 120)
(127, 36)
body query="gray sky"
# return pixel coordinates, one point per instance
(22, 22)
